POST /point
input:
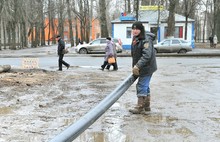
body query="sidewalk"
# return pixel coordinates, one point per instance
(52, 51)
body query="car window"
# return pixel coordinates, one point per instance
(103, 41)
(166, 42)
(183, 41)
(95, 42)
(175, 41)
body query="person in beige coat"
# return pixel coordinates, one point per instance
(215, 41)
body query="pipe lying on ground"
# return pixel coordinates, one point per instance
(74, 130)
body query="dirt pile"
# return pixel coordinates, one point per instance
(27, 77)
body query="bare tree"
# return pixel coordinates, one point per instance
(218, 19)
(149, 2)
(129, 6)
(51, 17)
(205, 20)
(42, 21)
(136, 8)
(216, 4)
(171, 18)
(160, 2)
(82, 15)
(189, 9)
(103, 20)
(70, 22)
(61, 18)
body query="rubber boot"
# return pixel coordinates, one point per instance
(147, 103)
(140, 106)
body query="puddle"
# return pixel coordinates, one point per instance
(159, 118)
(102, 137)
(181, 131)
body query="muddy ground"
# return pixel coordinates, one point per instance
(38, 104)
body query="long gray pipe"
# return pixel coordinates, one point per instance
(74, 130)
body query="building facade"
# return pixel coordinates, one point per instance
(121, 27)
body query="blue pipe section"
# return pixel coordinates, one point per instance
(113, 30)
(74, 130)
(158, 34)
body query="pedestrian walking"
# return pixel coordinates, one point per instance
(211, 41)
(109, 52)
(60, 52)
(144, 65)
(215, 41)
(115, 65)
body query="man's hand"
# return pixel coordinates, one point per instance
(135, 70)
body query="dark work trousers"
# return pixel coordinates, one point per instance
(115, 65)
(61, 62)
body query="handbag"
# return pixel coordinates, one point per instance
(65, 51)
(111, 60)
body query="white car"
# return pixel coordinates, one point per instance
(173, 45)
(97, 46)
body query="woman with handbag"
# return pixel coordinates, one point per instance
(115, 65)
(109, 53)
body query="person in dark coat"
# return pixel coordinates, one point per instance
(60, 48)
(144, 65)
(211, 41)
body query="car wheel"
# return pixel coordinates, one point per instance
(83, 51)
(155, 50)
(182, 51)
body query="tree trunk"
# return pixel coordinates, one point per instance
(33, 43)
(0, 33)
(103, 20)
(4, 34)
(81, 20)
(37, 34)
(53, 31)
(186, 25)
(218, 23)
(171, 18)
(48, 36)
(61, 19)
(42, 35)
(24, 42)
(87, 20)
(125, 6)
(129, 6)
(76, 29)
(204, 22)
(158, 20)
(70, 23)
(136, 9)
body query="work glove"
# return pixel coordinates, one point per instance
(135, 70)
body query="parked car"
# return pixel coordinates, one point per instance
(98, 46)
(173, 45)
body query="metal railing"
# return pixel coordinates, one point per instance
(74, 130)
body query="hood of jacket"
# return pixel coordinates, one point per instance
(150, 35)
